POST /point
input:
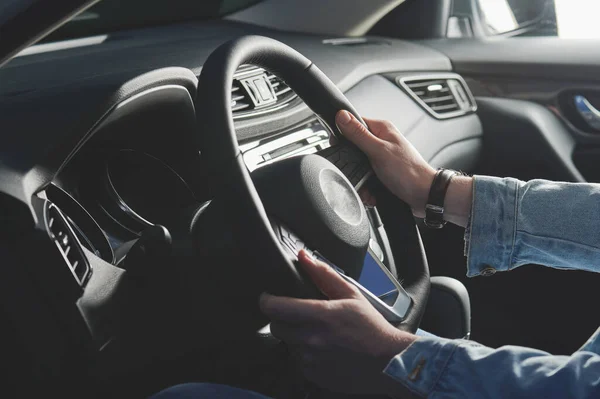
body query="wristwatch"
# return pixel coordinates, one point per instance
(434, 210)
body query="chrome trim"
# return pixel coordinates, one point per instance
(315, 136)
(434, 208)
(403, 82)
(248, 114)
(363, 180)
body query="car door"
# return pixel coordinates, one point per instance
(538, 99)
(534, 67)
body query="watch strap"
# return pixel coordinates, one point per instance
(434, 210)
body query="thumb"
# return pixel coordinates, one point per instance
(356, 132)
(326, 278)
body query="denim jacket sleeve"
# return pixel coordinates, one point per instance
(514, 223)
(442, 368)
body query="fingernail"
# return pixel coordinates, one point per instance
(308, 255)
(344, 117)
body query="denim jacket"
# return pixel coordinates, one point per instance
(514, 223)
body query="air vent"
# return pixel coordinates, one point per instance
(443, 96)
(239, 98)
(256, 92)
(283, 92)
(68, 245)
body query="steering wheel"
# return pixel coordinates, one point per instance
(304, 201)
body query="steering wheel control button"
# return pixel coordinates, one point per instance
(488, 271)
(350, 161)
(288, 239)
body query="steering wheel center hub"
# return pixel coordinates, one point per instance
(316, 201)
(340, 196)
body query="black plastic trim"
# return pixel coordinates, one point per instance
(526, 132)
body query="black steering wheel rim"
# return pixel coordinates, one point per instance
(231, 182)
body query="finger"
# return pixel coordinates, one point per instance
(326, 278)
(292, 310)
(356, 132)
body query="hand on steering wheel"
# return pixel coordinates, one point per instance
(395, 161)
(342, 344)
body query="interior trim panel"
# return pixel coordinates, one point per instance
(540, 135)
(523, 56)
(429, 135)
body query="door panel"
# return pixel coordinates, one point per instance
(526, 91)
(587, 161)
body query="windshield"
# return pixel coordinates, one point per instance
(113, 15)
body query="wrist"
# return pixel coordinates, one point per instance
(398, 341)
(459, 198)
(388, 386)
(423, 181)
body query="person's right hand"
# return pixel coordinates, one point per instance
(395, 161)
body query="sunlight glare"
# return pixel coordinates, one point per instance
(578, 19)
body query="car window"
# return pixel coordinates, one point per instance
(113, 15)
(563, 18)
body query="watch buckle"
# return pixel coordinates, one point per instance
(438, 213)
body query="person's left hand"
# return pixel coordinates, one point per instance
(342, 344)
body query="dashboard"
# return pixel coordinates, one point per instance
(106, 130)
(101, 142)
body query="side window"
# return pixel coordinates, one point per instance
(563, 18)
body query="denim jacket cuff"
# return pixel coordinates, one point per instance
(492, 227)
(420, 366)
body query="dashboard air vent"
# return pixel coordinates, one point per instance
(282, 90)
(256, 91)
(443, 96)
(239, 98)
(68, 245)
